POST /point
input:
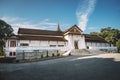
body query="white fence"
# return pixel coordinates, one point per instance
(33, 52)
(33, 48)
(112, 49)
(37, 54)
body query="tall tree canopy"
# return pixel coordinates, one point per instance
(109, 34)
(5, 30)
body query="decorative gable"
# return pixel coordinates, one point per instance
(73, 30)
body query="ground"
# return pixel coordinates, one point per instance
(97, 67)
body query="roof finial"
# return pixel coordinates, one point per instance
(58, 28)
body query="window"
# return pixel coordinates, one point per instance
(14, 53)
(60, 45)
(52, 45)
(10, 54)
(12, 43)
(24, 44)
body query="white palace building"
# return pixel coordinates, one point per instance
(64, 41)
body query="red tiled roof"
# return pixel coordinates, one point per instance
(94, 38)
(42, 38)
(39, 32)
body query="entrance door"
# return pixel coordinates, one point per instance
(76, 44)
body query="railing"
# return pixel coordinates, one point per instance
(104, 48)
(35, 48)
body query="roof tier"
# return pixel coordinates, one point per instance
(42, 38)
(25, 31)
(94, 38)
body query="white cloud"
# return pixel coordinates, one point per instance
(92, 28)
(17, 22)
(85, 8)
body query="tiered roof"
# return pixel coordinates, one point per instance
(38, 34)
(58, 35)
(94, 38)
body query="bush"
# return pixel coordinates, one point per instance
(41, 55)
(7, 60)
(47, 55)
(58, 54)
(17, 61)
(53, 54)
(69, 54)
(2, 57)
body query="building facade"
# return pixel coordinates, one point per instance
(32, 40)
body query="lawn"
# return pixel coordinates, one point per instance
(2, 57)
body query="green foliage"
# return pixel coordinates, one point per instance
(5, 30)
(118, 45)
(41, 55)
(53, 54)
(47, 54)
(58, 54)
(94, 33)
(2, 57)
(109, 34)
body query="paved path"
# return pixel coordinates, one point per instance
(98, 67)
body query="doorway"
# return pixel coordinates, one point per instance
(76, 44)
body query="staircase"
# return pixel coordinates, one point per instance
(82, 52)
(67, 53)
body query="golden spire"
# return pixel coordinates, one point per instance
(58, 28)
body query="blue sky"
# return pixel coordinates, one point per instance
(89, 15)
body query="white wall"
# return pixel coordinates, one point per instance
(68, 37)
(37, 45)
(23, 41)
(46, 43)
(101, 46)
(82, 42)
(34, 43)
(97, 44)
(53, 43)
(9, 49)
(72, 38)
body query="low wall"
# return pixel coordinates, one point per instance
(37, 54)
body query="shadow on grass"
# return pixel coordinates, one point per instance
(7, 60)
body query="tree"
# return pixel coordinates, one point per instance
(5, 30)
(105, 32)
(94, 33)
(118, 45)
(109, 34)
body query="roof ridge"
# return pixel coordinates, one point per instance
(37, 29)
(39, 32)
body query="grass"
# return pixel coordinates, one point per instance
(2, 57)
